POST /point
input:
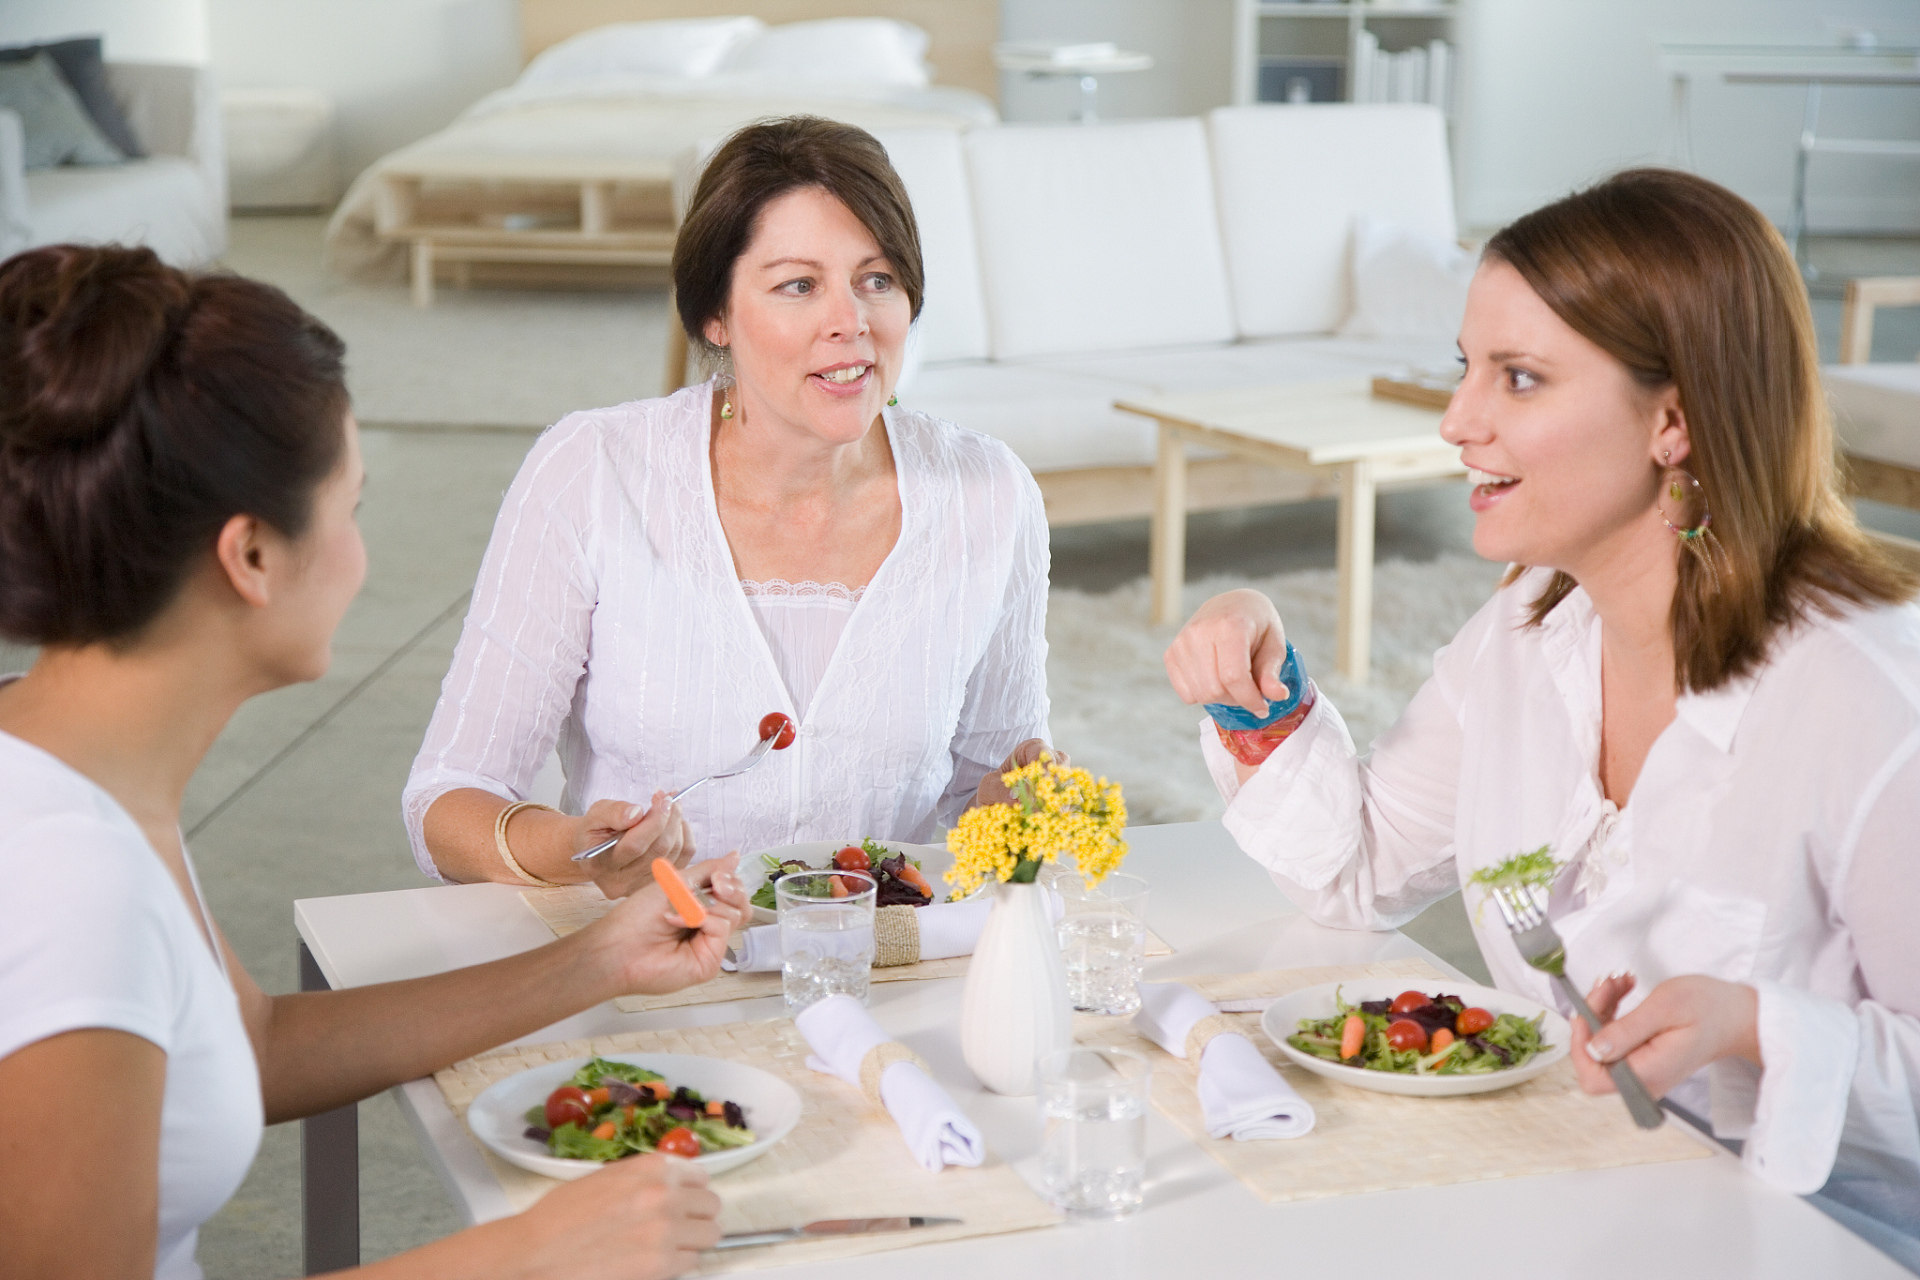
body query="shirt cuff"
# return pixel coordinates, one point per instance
(1299, 814)
(1810, 1045)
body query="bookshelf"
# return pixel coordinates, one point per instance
(1318, 49)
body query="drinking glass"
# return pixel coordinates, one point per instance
(1093, 1150)
(826, 943)
(1103, 940)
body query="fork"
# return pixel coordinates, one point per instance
(1525, 909)
(733, 770)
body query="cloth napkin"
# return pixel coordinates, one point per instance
(1240, 1092)
(947, 929)
(841, 1033)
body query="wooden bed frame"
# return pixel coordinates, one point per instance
(568, 221)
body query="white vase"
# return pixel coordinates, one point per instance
(1015, 1007)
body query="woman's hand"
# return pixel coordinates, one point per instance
(642, 1218)
(992, 790)
(647, 949)
(1231, 650)
(1683, 1024)
(659, 831)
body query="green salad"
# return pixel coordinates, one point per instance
(611, 1110)
(1418, 1034)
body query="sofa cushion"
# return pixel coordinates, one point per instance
(58, 129)
(1876, 410)
(953, 317)
(1292, 179)
(82, 67)
(1051, 420)
(1098, 239)
(163, 203)
(1406, 284)
(1277, 361)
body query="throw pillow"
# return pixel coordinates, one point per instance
(690, 47)
(863, 50)
(58, 129)
(80, 61)
(1406, 284)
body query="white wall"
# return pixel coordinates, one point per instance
(135, 30)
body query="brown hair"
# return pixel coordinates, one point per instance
(1688, 286)
(140, 408)
(762, 162)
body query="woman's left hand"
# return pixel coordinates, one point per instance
(648, 949)
(1683, 1024)
(993, 791)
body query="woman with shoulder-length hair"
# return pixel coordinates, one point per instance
(782, 538)
(1699, 687)
(179, 472)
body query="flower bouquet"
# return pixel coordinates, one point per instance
(1055, 809)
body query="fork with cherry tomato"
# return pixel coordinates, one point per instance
(776, 734)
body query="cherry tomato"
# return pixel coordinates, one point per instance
(853, 858)
(1472, 1022)
(678, 1142)
(1405, 1033)
(778, 726)
(568, 1105)
(1408, 1001)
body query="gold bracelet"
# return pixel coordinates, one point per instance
(506, 854)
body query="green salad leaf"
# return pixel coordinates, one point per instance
(1537, 867)
(588, 1077)
(571, 1142)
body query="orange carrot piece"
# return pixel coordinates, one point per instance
(1441, 1039)
(911, 874)
(716, 1108)
(1353, 1035)
(605, 1131)
(837, 886)
(678, 894)
(597, 1098)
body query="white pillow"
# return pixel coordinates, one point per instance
(675, 47)
(868, 50)
(1406, 284)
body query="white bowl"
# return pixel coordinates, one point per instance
(1283, 1017)
(498, 1117)
(934, 862)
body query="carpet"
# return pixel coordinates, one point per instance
(1115, 713)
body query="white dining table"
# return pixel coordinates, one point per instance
(1221, 913)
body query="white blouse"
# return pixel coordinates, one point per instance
(1770, 840)
(802, 622)
(608, 618)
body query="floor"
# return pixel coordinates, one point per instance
(299, 797)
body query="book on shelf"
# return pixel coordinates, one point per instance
(1420, 74)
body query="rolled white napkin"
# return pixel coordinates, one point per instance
(947, 929)
(1240, 1092)
(841, 1033)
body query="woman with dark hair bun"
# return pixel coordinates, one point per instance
(178, 478)
(783, 537)
(1698, 690)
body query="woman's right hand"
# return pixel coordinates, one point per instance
(1231, 650)
(659, 831)
(642, 1218)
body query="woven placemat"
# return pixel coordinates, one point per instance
(574, 907)
(1367, 1141)
(845, 1159)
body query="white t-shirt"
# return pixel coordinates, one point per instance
(95, 933)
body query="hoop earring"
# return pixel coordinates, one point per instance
(1682, 496)
(892, 401)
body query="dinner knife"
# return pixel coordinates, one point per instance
(833, 1227)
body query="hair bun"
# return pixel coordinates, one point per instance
(79, 329)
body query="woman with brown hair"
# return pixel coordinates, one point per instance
(178, 478)
(784, 538)
(1694, 623)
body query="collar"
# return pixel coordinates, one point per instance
(1715, 715)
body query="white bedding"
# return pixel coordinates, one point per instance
(631, 117)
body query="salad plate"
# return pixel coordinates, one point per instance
(498, 1117)
(1282, 1019)
(934, 862)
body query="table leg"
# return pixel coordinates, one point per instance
(422, 274)
(329, 1170)
(1353, 640)
(1167, 541)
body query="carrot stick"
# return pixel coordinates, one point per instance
(1353, 1035)
(678, 894)
(911, 874)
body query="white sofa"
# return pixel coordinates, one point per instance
(174, 200)
(1070, 266)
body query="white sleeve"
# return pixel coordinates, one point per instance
(1839, 1099)
(1006, 701)
(1360, 843)
(524, 645)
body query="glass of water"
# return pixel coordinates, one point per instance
(826, 943)
(1093, 1151)
(1103, 940)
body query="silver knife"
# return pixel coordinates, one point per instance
(833, 1227)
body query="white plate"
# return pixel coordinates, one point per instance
(498, 1117)
(1283, 1016)
(934, 862)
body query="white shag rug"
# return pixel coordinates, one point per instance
(1115, 713)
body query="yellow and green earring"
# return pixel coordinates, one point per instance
(892, 401)
(726, 405)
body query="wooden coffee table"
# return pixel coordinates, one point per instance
(1337, 429)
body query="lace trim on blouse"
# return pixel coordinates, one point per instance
(806, 590)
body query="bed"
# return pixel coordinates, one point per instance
(571, 168)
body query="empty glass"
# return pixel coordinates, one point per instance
(1093, 1150)
(1103, 940)
(826, 943)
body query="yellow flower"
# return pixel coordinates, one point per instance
(1056, 810)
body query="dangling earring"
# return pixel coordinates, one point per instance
(726, 405)
(892, 401)
(726, 376)
(1683, 509)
